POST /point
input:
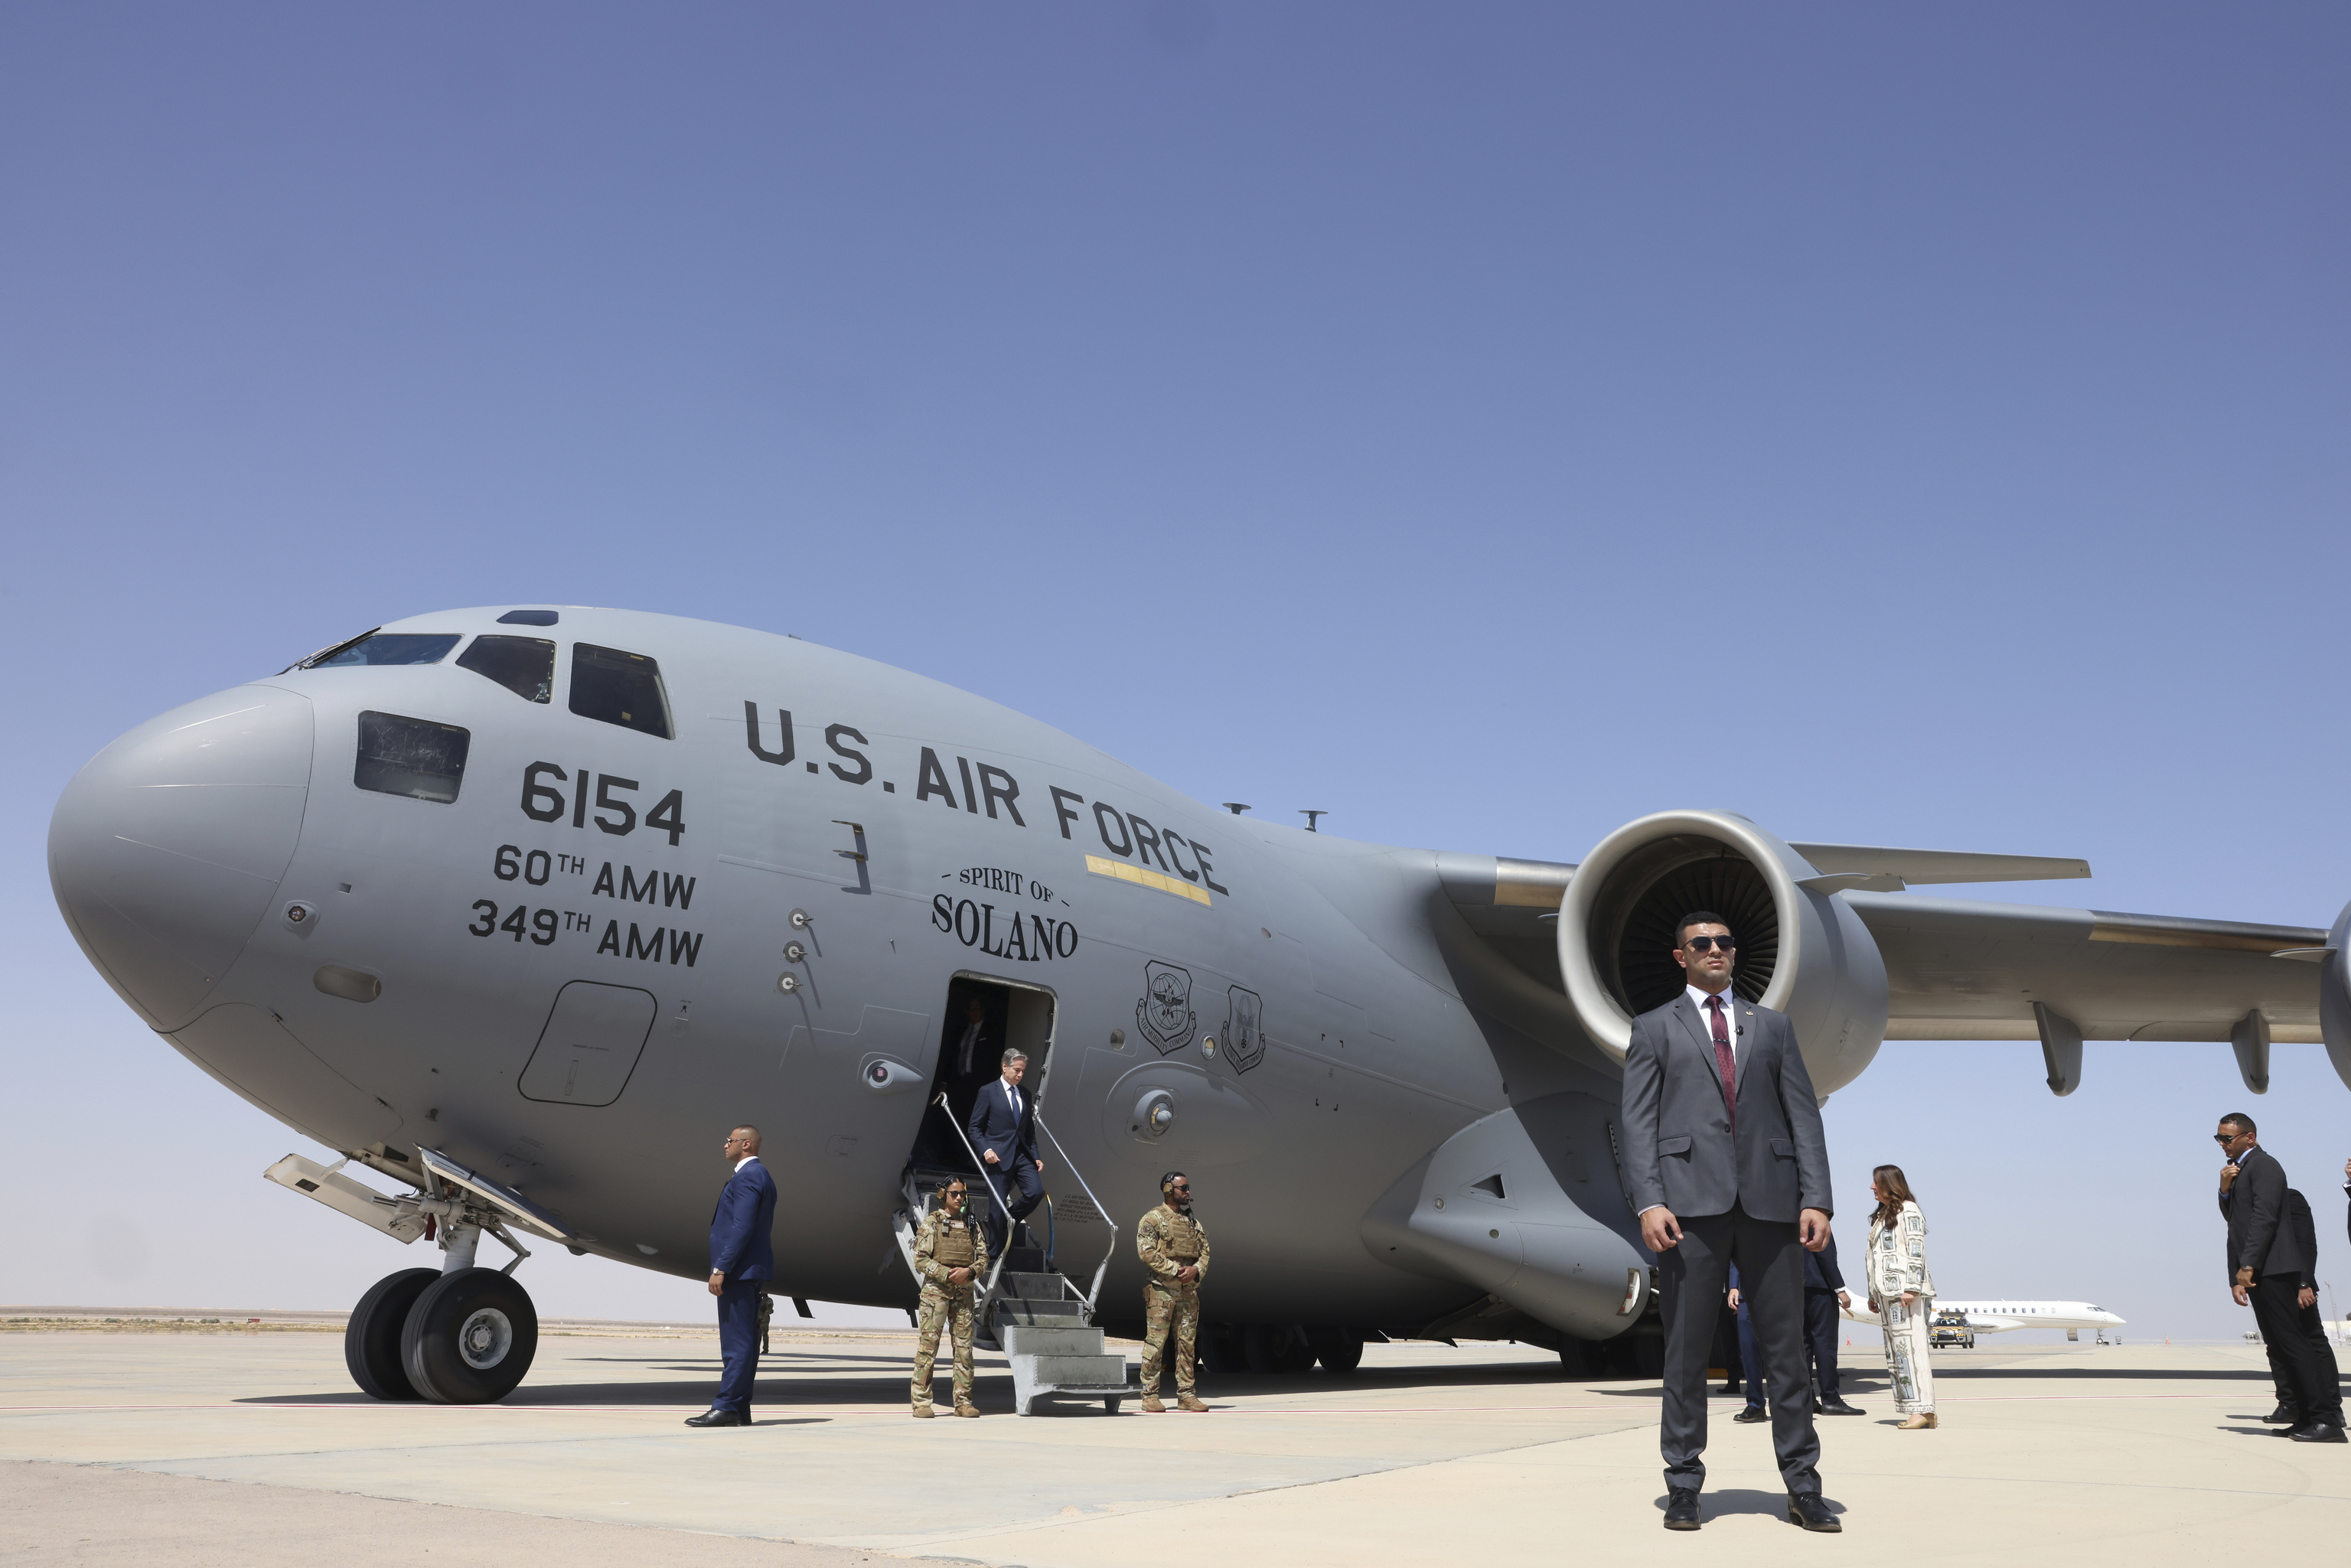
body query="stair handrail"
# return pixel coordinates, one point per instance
(1093, 1291)
(979, 1307)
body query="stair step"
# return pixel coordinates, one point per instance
(1085, 1371)
(1052, 1314)
(1028, 1287)
(1050, 1339)
(1027, 1260)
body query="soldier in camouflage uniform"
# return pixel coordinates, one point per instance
(950, 1252)
(1175, 1250)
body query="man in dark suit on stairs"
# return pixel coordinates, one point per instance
(1726, 1156)
(2268, 1271)
(742, 1256)
(1004, 1131)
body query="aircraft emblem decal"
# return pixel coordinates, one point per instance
(1164, 1014)
(1244, 1036)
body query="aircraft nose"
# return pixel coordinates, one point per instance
(166, 848)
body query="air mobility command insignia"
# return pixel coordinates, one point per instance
(1244, 1036)
(1164, 1014)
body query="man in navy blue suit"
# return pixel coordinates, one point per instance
(1004, 1131)
(1825, 1295)
(741, 1256)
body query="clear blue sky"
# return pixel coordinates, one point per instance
(1422, 412)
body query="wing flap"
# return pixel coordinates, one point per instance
(1963, 970)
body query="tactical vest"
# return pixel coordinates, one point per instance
(954, 1245)
(1179, 1238)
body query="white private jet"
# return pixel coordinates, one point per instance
(1998, 1317)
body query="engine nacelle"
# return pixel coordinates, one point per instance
(2335, 997)
(1802, 950)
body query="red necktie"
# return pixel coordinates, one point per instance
(1725, 1061)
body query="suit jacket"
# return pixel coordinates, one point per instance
(1821, 1271)
(1680, 1149)
(740, 1247)
(993, 1125)
(984, 1052)
(2305, 1235)
(2255, 1208)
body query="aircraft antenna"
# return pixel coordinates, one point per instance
(1314, 817)
(1234, 807)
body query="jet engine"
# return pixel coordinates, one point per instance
(1802, 950)
(2335, 997)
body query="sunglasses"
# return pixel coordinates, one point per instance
(1707, 944)
(2226, 1137)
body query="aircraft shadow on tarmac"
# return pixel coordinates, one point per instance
(800, 1378)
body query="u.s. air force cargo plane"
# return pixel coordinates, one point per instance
(521, 907)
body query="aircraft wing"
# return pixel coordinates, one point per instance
(1955, 968)
(1962, 970)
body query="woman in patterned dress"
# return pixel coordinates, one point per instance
(1902, 1292)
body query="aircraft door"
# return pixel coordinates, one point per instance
(985, 1018)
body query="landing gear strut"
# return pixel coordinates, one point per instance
(455, 1335)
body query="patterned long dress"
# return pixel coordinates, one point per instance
(1897, 1263)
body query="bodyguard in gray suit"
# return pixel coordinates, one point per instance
(1727, 1160)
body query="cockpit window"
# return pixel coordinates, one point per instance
(417, 757)
(524, 665)
(387, 648)
(618, 688)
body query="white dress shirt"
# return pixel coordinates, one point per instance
(1012, 1093)
(1730, 1018)
(964, 1047)
(746, 1160)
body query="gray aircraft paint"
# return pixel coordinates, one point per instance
(1369, 1058)
(1406, 1122)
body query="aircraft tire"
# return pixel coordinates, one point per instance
(372, 1339)
(1340, 1350)
(1275, 1348)
(470, 1338)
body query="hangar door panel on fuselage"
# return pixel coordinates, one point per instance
(593, 1037)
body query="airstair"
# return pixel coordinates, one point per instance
(1026, 1307)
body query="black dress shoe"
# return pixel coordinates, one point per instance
(2283, 1415)
(1834, 1405)
(2318, 1432)
(1752, 1413)
(1805, 1508)
(1681, 1507)
(719, 1419)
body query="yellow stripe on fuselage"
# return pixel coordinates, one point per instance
(1100, 867)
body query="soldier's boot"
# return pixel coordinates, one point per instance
(924, 1412)
(969, 1412)
(1151, 1405)
(1187, 1400)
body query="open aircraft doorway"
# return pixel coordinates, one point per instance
(984, 1018)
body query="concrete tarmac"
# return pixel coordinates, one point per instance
(2085, 1454)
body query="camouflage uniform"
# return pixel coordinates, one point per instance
(1166, 1238)
(946, 1241)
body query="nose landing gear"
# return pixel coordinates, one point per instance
(455, 1335)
